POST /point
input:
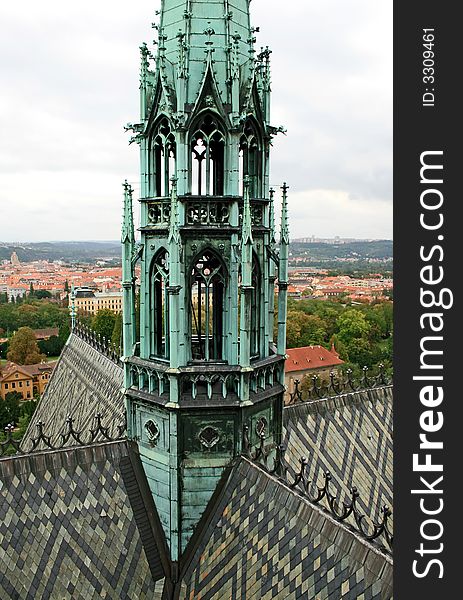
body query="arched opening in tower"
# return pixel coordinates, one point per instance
(255, 307)
(160, 305)
(163, 156)
(250, 159)
(207, 158)
(207, 307)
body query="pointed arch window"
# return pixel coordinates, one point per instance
(207, 158)
(255, 307)
(207, 307)
(251, 158)
(163, 156)
(160, 305)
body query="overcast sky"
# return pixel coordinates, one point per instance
(69, 82)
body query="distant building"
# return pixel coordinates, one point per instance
(15, 260)
(46, 334)
(15, 292)
(87, 301)
(25, 379)
(309, 361)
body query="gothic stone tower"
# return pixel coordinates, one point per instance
(202, 370)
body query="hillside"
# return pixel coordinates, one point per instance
(65, 251)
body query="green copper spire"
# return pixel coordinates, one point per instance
(128, 231)
(128, 278)
(284, 231)
(283, 272)
(201, 365)
(246, 230)
(272, 217)
(192, 32)
(246, 288)
(72, 308)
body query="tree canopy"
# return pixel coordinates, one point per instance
(33, 313)
(362, 334)
(103, 323)
(23, 348)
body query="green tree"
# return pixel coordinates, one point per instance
(31, 291)
(362, 352)
(51, 347)
(103, 323)
(293, 328)
(23, 348)
(304, 330)
(352, 324)
(40, 294)
(9, 409)
(64, 332)
(340, 347)
(116, 337)
(313, 331)
(28, 408)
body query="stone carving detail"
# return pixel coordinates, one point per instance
(261, 426)
(158, 212)
(152, 431)
(208, 213)
(257, 215)
(209, 436)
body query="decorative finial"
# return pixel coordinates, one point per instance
(72, 310)
(209, 32)
(246, 237)
(284, 237)
(144, 54)
(173, 227)
(272, 216)
(182, 47)
(128, 232)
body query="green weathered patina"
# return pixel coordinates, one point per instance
(203, 365)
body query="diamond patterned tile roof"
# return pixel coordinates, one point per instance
(84, 382)
(74, 524)
(80, 522)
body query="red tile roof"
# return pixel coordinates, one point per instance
(310, 357)
(39, 367)
(42, 334)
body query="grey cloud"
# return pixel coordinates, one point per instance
(69, 81)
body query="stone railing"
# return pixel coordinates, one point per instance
(213, 211)
(205, 379)
(148, 376)
(266, 373)
(158, 211)
(210, 211)
(212, 380)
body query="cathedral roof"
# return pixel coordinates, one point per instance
(262, 539)
(349, 436)
(85, 381)
(85, 515)
(76, 523)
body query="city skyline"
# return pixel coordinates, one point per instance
(70, 85)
